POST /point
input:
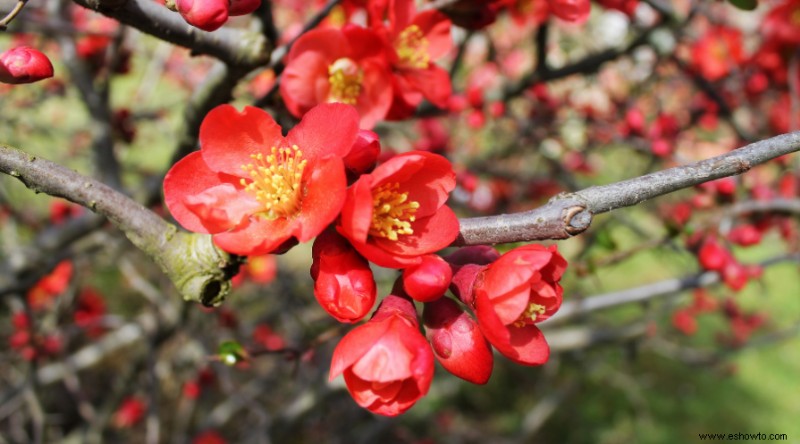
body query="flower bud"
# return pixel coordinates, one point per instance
(207, 15)
(457, 341)
(343, 282)
(427, 280)
(364, 153)
(24, 65)
(466, 264)
(243, 7)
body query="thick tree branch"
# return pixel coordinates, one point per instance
(199, 269)
(235, 47)
(569, 214)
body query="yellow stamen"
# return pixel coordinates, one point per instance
(392, 212)
(412, 48)
(530, 315)
(276, 181)
(345, 78)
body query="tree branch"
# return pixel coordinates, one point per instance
(569, 214)
(198, 269)
(235, 47)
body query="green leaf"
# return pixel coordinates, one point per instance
(231, 352)
(746, 5)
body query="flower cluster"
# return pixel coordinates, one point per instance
(384, 69)
(258, 192)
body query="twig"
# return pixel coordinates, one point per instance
(235, 47)
(572, 309)
(569, 214)
(4, 22)
(199, 269)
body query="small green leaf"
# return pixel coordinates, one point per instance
(231, 352)
(746, 5)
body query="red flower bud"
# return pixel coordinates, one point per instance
(130, 412)
(207, 15)
(427, 280)
(24, 65)
(685, 322)
(364, 153)
(243, 7)
(343, 282)
(745, 235)
(467, 263)
(387, 364)
(457, 341)
(712, 255)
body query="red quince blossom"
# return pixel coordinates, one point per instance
(415, 41)
(42, 294)
(207, 15)
(24, 65)
(243, 7)
(363, 155)
(457, 341)
(575, 11)
(427, 280)
(255, 190)
(684, 321)
(209, 437)
(338, 65)
(387, 364)
(473, 14)
(718, 52)
(782, 23)
(343, 282)
(267, 338)
(129, 413)
(90, 309)
(514, 293)
(397, 213)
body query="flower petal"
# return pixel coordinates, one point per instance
(228, 137)
(325, 190)
(189, 176)
(329, 129)
(259, 237)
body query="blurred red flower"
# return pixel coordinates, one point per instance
(338, 65)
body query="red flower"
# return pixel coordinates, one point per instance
(427, 280)
(782, 23)
(90, 309)
(130, 412)
(457, 341)
(209, 437)
(513, 294)
(416, 41)
(684, 321)
(267, 338)
(42, 294)
(338, 65)
(343, 282)
(718, 52)
(387, 364)
(576, 11)
(207, 15)
(397, 213)
(243, 7)
(24, 65)
(254, 189)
